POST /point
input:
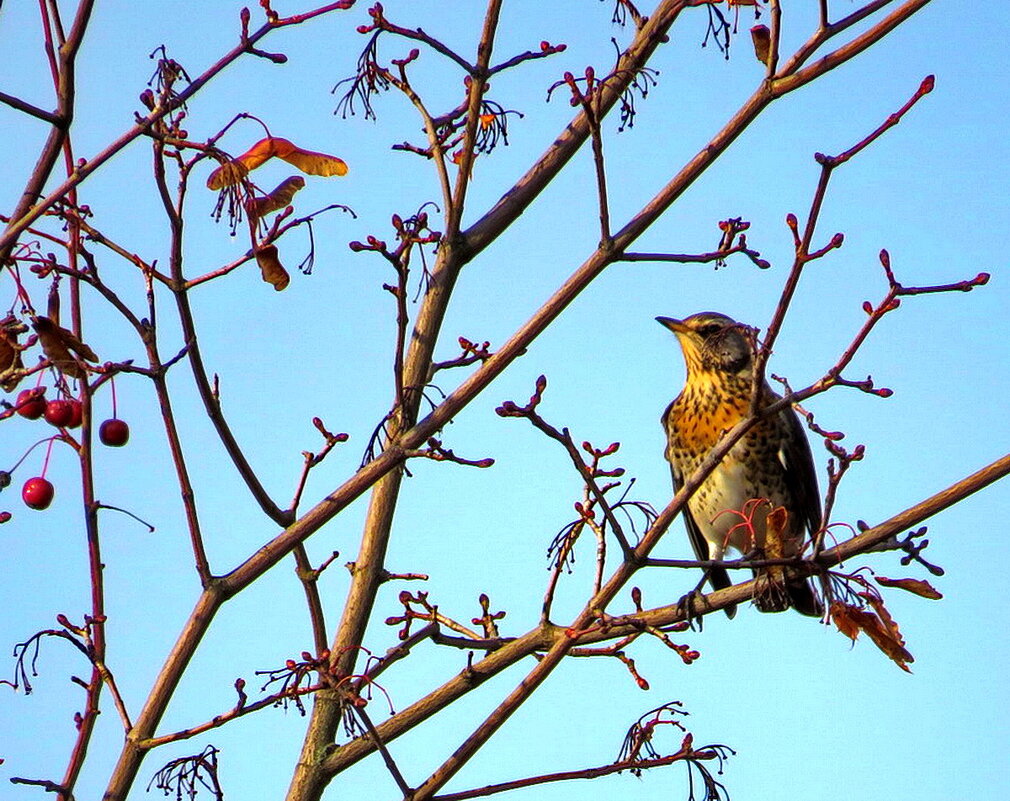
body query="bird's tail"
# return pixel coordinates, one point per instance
(797, 593)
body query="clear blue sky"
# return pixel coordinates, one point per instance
(810, 716)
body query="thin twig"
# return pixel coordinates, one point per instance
(387, 758)
(570, 775)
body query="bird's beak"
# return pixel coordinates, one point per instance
(677, 326)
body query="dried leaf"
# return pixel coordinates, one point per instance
(917, 586)
(280, 197)
(271, 267)
(11, 372)
(11, 366)
(775, 526)
(842, 616)
(60, 345)
(776, 522)
(308, 161)
(885, 617)
(884, 639)
(850, 620)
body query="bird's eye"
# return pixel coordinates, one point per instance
(708, 330)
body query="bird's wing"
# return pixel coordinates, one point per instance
(802, 478)
(718, 576)
(801, 475)
(698, 541)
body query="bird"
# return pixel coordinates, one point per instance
(770, 466)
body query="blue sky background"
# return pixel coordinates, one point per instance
(810, 716)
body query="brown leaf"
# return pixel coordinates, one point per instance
(842, 616)
(60, 345)
(917, 586)
(850, 620)
(308, 161)
(271, 267)
(11, 366)
(885, 640)
(280, 197)
(775, 526)
(885, 617)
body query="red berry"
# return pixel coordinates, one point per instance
(114, 432)
(37, 493)
(31, 403)
(59, 412)
(4, 517)
(76, 414)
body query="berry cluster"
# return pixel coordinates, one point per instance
(63, 413)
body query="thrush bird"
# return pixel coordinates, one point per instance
(770, 466)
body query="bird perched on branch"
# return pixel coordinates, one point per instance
(770, 469)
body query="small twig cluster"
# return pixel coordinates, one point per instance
(448, 132)
(472, 353)
(732, 240)
(417, 607)
(186, 775)
(594, 495)
(913, 551)
(639, 750)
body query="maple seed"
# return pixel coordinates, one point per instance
(37, 493)
(31, 404)
(59, 413)
(114, 432)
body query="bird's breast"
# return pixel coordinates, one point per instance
(702, 413)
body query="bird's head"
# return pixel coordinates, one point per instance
(712, 343)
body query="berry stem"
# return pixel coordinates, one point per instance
(49, 450)
(24, 456)
(26, 302)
